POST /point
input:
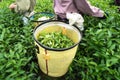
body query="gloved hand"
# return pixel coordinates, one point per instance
(25, 20)
(75, 19)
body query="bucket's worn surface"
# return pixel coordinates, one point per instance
(55, 62)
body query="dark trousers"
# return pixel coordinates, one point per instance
(117, 2)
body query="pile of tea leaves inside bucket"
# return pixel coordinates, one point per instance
(98, 54)
(55, 40)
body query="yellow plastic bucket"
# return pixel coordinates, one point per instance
(55, 62)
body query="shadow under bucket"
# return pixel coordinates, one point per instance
(55, 61)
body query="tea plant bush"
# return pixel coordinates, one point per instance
(97, 58)
(44, 6)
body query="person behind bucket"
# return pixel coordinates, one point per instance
(117, 2)
(24, 7)
(69, 9)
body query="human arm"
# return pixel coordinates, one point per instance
(20, 6)
(12, 6)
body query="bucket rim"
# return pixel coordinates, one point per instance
(55, 49)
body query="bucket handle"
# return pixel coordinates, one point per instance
(37, 49)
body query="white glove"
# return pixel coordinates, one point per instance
(25, 20)
(75, 19)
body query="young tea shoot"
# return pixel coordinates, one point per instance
(55, 40)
